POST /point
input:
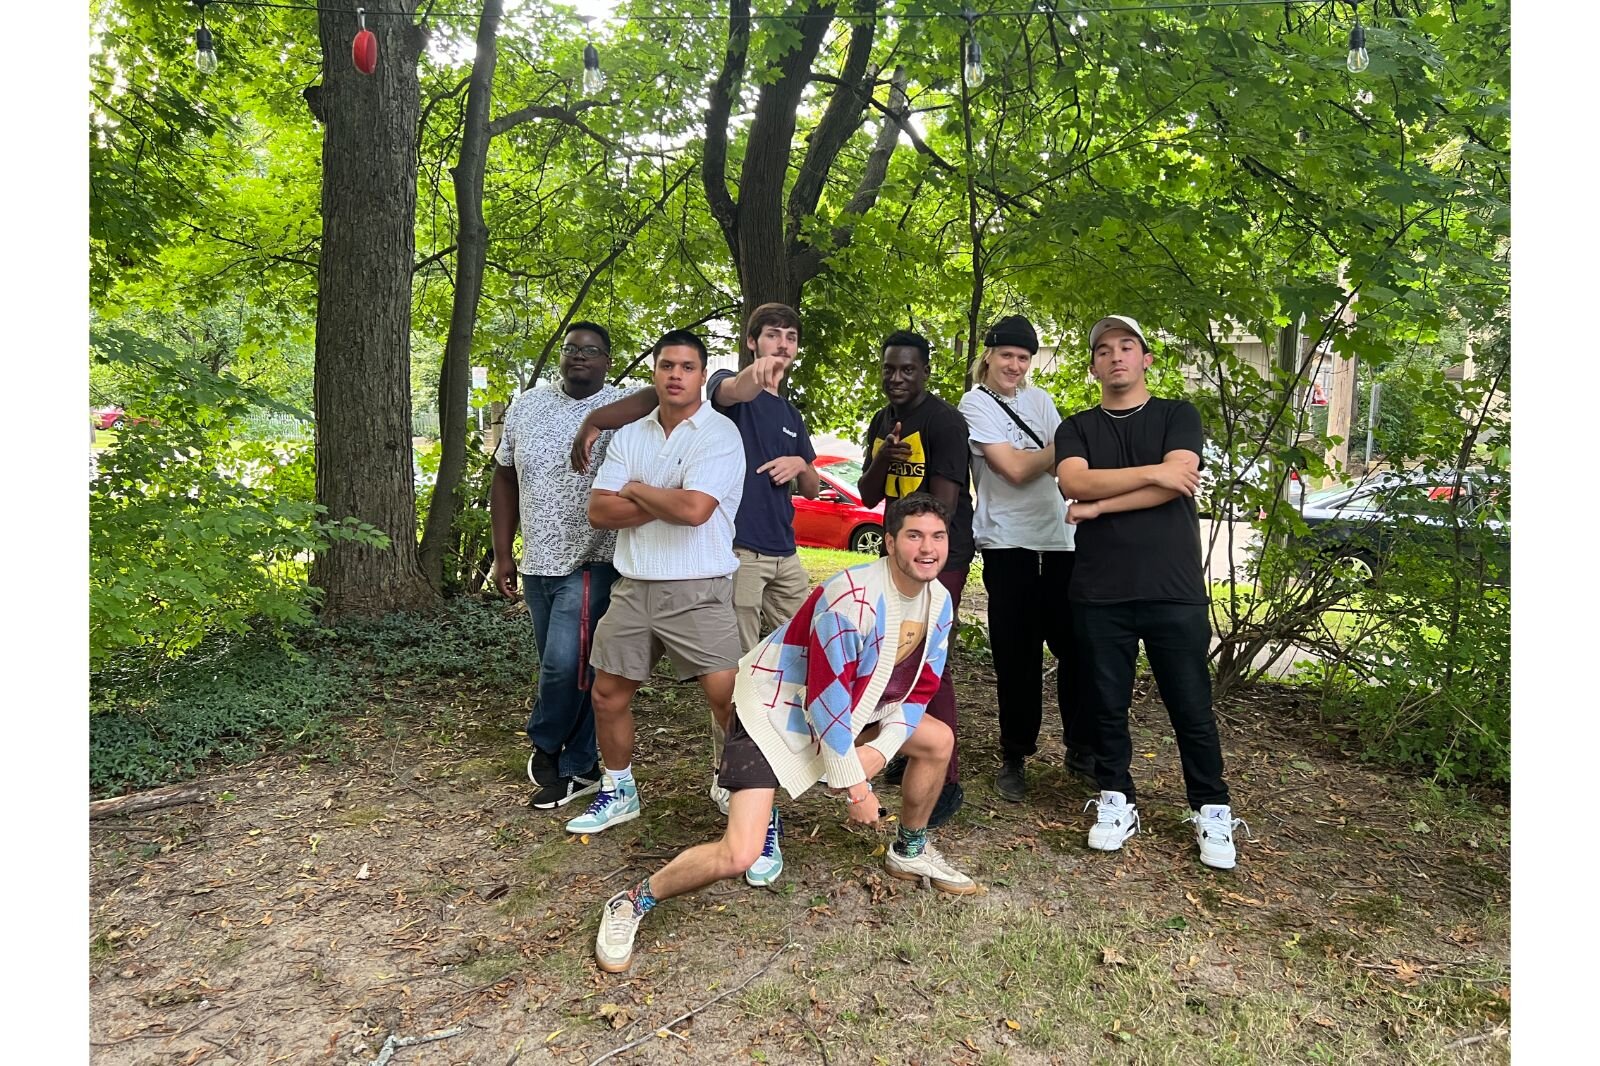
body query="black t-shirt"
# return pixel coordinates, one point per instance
(1150, 554)
(937, 434)
(771, 427)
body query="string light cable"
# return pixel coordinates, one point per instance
(594, 79)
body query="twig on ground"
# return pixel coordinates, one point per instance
(394, 1043)
(822, 1048)
(719, 997)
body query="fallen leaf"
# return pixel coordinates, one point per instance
(1012, 1025)
(553, 1035)
(584, 839)
(1326, 1023)
(1112, 957)
(363, 873)
(1406, 971)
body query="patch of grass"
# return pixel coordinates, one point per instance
(361, 817)
(487, 968)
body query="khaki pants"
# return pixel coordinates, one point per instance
(767, 591)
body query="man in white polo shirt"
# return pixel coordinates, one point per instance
(671, 484)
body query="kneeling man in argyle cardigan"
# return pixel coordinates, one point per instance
(833, 693)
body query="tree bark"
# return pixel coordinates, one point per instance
(362, 387)
(472, 244)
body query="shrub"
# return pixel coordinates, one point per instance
(191, 530)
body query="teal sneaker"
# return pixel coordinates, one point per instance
(769, 864)
(612, 806)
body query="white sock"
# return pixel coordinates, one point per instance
(622, 778)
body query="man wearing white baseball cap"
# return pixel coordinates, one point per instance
(1131, 466)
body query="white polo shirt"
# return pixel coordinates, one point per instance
(704, 453)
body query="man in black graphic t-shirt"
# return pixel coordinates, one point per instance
(1131, 466)
(919, 443)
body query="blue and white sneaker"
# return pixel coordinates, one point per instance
(769, 864)
(612, 806)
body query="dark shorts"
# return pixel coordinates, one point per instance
(743, 766)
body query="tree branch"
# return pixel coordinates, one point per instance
(714, 162)
(806, 260)
(422, 264)
(839, 121)
(599, 268)
(568, 115)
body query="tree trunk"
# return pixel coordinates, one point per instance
(362, 387)
(472, 242)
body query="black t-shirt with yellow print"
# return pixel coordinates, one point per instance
(937, 435)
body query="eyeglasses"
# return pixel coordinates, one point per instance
(588, 351)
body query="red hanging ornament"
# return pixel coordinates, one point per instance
(364, 50)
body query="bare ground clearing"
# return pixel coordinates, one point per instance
(309, 910)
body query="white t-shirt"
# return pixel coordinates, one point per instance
(704, 453)
(540, 427)
(1032, 515)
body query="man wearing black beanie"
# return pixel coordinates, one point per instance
(1019, 522)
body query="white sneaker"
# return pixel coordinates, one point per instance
(720, 796)
(1213, 830)
(613, 944)
(930, 864)
(1116, 821)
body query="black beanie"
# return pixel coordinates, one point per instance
(1013, 329)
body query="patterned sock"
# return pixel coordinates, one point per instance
(623, 778)
(644, 900)
(910, 842)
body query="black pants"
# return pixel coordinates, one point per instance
(1176, 638)
(1028, 610)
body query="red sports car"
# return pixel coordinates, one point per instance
(836, 518)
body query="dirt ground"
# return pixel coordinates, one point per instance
(310, 910)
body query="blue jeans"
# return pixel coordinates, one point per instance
(565, 611)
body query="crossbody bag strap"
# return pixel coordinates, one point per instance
(1014, 416)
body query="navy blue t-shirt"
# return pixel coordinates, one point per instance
(771, 427)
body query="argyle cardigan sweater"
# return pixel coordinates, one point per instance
(807, 691)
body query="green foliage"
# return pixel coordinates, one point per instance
(191, 530)
(228, 702)
(234, 697)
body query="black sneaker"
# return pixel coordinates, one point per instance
(950, 799)
(542, 769)
(561, 792)
(895, 772)
(1081, 763)
(1011, 783)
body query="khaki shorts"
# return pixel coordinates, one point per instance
(691, 621)
(767, 591)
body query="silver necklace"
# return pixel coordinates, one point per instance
(1128, 414)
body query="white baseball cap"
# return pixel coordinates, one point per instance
(1115, 322)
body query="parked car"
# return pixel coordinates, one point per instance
(105, 417)
(1361, 523)
(836, 518)
(1232, 473)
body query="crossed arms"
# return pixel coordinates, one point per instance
(1129, 488)
(637, 503)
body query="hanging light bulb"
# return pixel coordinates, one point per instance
(1357, 59)
(205, 56)
(594, 79)
(972, 68)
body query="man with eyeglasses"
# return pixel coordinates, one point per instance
(566, 563)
